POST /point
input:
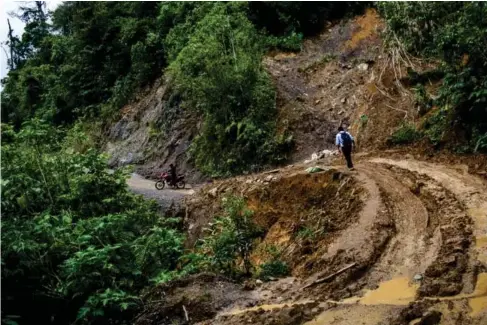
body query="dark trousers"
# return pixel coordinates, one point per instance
(347, 152)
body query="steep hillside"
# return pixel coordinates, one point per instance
(318, 88)
(342, 76)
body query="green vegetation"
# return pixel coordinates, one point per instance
(75, 242)
(94, 56)
(405, 134)
(229, 241)
(273, 269)
(219, 74)
(456, 34)
(306, 232)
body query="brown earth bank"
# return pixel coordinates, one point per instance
(397, 242)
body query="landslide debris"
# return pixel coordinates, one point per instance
(396, 241)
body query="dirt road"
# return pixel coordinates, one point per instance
(165, 197)
(418, 246)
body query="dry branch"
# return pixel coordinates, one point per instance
(331, 276)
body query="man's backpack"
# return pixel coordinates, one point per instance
(346, 139)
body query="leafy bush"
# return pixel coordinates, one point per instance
(75, 242)
(306, 233)
(273, 269)
(291, 42)
(405, 134)
(456, 33)
(230, 239)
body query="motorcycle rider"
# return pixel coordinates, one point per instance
(174, 175)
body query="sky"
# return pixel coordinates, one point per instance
(18, 26)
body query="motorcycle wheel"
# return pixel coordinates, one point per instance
(181, 184)
(160, 185)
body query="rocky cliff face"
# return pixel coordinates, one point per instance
(153, 133)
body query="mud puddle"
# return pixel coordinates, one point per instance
(368, 315)
(398, 291)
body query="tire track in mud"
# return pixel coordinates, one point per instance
(469, 190)
(418, 218)
(407, 253)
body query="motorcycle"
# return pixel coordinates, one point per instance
(165, 178)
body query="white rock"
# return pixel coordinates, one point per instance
(314, 156)
(363, 66)
(213, 191)
(258, 282)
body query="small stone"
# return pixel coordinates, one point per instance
(268, 178)
(258, 282)
(450, 260)
(430, 318)
(363, 67)
(327, 153)
(418, 277)
(249, 285)
(341, 112)
(317, 101)
(343, 100)
(338, 85)
(213, 192)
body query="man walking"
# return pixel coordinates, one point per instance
(345, 143)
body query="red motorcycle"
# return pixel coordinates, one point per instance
(166, 178)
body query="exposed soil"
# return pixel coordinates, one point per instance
(398, 241)
(190, 300)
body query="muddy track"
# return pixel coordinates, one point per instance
(419, 247)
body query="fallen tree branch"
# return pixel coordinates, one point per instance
(331, 276)
(185, 314)
(274, 171)
(399, 110)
